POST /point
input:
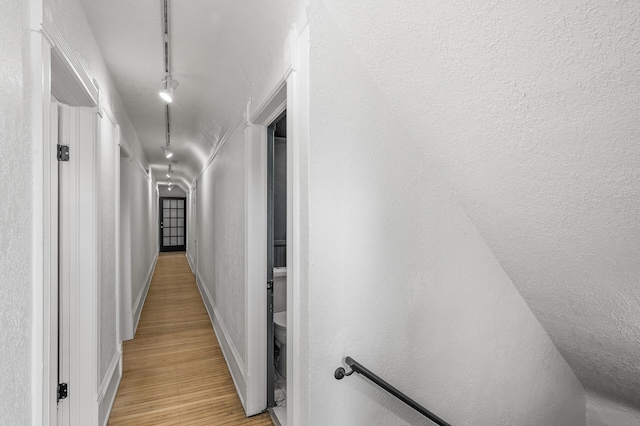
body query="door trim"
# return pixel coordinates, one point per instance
(256, 236)
(183, 247)
(45, 44)
(290, 92)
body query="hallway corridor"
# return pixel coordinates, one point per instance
(174, 371)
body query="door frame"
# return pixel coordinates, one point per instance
(161, 219)
(123, 244)
(49, 46)
(290, 93)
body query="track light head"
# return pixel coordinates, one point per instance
(167, 151)
(167, 93)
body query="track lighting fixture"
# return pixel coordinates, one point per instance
(167, 151)
(170, 171)
(170, 84)
(167, 93)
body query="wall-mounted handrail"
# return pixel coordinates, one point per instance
(360, 369)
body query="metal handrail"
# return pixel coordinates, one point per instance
(356, 367)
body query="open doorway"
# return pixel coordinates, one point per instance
(277, 267)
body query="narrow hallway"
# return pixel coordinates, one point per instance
(174, 371)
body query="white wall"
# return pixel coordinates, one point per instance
(192, 224)
(144, 224)
(220, 225)
(144, 234)
(529, 110)
(16, 233)
(107, 244)
(125, 291)
(175, 192)
(401, 280)
(604, 412)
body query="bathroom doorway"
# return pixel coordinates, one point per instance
(277, 267)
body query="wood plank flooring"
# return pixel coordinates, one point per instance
(174, 371)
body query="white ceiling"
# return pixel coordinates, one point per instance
(529, 110)
(218, 49)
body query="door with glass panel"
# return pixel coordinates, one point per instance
(172, 224)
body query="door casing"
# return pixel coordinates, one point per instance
(55, 70)
(162, 225)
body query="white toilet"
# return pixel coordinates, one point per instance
(280, 317)
(280, 329)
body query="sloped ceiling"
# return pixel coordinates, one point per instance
(531, 111)
(218, 50)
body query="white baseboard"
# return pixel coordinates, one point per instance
(229, 350)
(109, 388)
(191, 263)
(142, 296)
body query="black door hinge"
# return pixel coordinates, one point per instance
(63, 391)
(63, 152)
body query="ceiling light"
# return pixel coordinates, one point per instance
(167, 93)
(170, 171)
(167, 151)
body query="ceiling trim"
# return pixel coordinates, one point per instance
(73, 69)
(259, 116)
(217, 150)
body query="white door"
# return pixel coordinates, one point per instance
(76, 307)
(60, 116)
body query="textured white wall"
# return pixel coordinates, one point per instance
(175, 192)
(221, 235)
(604, 412)
(530, 111)
(107, 243)
(192, 225)
(400, 279)
(144, 229)
(15, 216)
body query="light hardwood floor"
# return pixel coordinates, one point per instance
(174, 371)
